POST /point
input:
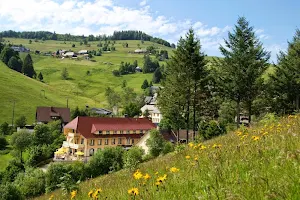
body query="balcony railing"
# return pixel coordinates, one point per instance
(72, 145)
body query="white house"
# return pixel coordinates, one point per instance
(81, 52)
(142, 143)
(154, 112)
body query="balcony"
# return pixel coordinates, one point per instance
(72, 145)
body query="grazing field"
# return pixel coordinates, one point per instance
(255, 163)
(80, 89)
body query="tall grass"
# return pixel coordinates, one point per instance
(255, 163)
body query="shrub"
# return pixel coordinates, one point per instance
(10, 192)
(21, 121)
(5, 129)
(116, 72)
(211, 129)
(179, 148)
(3, 143)
(155, 143)
(105, 161)
(133, 157)
(31, 183)
(54, 172)
(38, 154)
(269, 118)
(168, 147)
(12, 170)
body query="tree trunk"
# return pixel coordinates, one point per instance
(238, 109)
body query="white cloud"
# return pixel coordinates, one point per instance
(143, 3)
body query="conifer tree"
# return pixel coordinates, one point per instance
(184, 83)
(15, 64)
(284, 84)
(6, 54)
(145, 84)
(240, 72)
(40, 76)
(27, 68)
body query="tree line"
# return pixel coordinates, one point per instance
(117, 35)
(236, 84)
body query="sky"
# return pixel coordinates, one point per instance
(274, 21)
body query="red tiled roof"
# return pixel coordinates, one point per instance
(44, 114)
(88, 125)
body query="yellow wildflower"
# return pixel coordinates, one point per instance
(162, 178)
(51, 197)
(196, 158)
(217, 146)
(147, 176)
(90, 194)
(156, 173)
(187, 157)
(133, 191)
(137, 175)
(191, 144)
(157, 183)
(73, 194)
(202, 147)
(265, 133)
(174, 169)
(255, 138)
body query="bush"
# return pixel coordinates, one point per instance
(168, 147)
(38, 154)
(133, 157)
(10, 192)
(105, 161)
(31, 183)
(269, 118)
(155, 143)
(3, 143)
(54, 172)
(5, 129)
(21, 121)
(211, 129)
(179, 148)
(12, 170)
(116, 72)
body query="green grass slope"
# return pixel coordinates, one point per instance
(257, 163)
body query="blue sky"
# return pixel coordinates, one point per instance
(275, 21)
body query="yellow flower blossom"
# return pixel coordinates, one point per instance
(187, 157)
(161, 178)
(217, 146)
(137, 175)
(265, 133)
(147, 176)
(73, 194)
(174, 169)
(90, 194)
(156, 173)
(157, 183)
(191, 144)
(133, 191)
(51, 197)
(255, 138)
(202, 147)
(196, 158)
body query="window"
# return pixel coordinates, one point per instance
(100, 132)
(76, 141)
(141, 131)
(107, 132)
(134, 131)
(92, 142)
(106, 141)
(99, 141)
(119, 140)
(82, 141)
(113, 141)
(116, 132)
(128, 131)
(132, 141)
(92, 152)
(123, 132)
(128, 141)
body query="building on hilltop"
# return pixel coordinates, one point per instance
(82, 52)
(90, 134)
(48, 114)
(20, 49)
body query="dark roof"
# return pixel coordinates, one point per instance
(86, 126)
(101, 111)
(44, 114)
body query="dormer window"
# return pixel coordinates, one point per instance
(141, 131)
(107, 132)
(100, 132)
(128, 131)
(134, 131)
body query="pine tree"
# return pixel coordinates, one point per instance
(157, 75)
(27, 68)
(145, 84)
(240, 72)
(184, 84)
(64, 74)
(6, 54)
(40, 76)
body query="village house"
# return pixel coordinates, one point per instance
(152, 108)
(86, 135)
(82, 52)
(48, 114)
(140, 51)
(20, 49)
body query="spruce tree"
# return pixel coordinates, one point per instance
(240, 72)
(157, 76)
(27, 68)
(184, 83)
(6, 54)
(40, 76)
(145, 84)
(284, 84)
(15, 64)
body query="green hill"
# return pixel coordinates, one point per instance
(80, 89)
(255, 163)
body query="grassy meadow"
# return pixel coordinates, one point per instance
(255, 163)
(81, 89)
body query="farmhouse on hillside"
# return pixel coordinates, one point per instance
(48, 114)
(86, 135)
(153, 110)
(20, 49)
(140, 51)
(82, 52)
